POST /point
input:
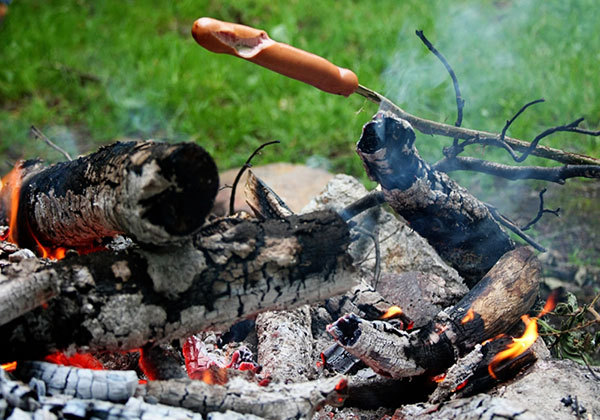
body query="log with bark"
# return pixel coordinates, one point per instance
(123, 300)
(456, 224)
(493, 306)
(155, 193)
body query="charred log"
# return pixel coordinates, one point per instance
(496, 304)
(277, 401)
(124, 300)
(456, 224)
(156, 193)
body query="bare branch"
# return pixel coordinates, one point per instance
(541, 212)
(553, 174)
(481, 137)
(509, 122)
(460, 102)
(241, 172)
(514, 228)
(39, 135)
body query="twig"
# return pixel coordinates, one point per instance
(552, 174)
(570, 330)
(372, 199)
(241, 172)
(519, 112)
(375, 240)
(481, 137)
(460, 102)
(510, 225)
(541, 212)
(582, 355)
(571, 127)
(39, 135)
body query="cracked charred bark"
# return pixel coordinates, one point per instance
(496, 304)
(120, 301)
(456, 224)
(156, 193)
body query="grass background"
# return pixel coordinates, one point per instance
(152, 80)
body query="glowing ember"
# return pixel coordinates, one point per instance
(81, 360)
(518, 346)
(392, 312)
(439, 378)
(470, 316)
(9, 367)
(461, 385)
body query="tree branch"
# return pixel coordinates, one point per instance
(477, 136)
(541, 212)
(460, 102)
(553, 174)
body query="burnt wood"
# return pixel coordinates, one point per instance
(508, 291)
(123, 300)
(155, 193)
(456, 224)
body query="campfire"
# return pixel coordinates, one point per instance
(123, 296)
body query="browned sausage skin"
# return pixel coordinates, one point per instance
(255, 45)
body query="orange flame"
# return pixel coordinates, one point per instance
(393, 311)
(439, 378)
(550, 303)
(9, 367)
(470, 316)
(10, 200)
(518, 346)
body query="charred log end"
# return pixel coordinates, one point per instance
(386, 144)
(346, 329)
(182, 208)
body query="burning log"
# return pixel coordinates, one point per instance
(123, 300)
(156, 193)
(456, 224)
(276, 401)
(493, 306)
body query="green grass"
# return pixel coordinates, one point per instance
(154, 81)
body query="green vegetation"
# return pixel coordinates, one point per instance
(89, 72)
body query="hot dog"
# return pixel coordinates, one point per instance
(255, 45)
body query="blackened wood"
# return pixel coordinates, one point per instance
(507, 292)
(156, 193)
(123, 300)
(276, 401)
(456, 224)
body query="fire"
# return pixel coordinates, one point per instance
(392, 312)
(522, 344)
(518, 346)
(9, 367)
(550, 303)
(439, 378)
(470, 316)
(10, 187)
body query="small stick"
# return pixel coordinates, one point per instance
(541, 211)
(460, 102)
(514, 228)
(41, 136)
(241, 172)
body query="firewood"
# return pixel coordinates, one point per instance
(456, 224)
(107, 385)
(156, 193)
(285, 344)
(276, 401)
(123, 300)
(493, 306)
